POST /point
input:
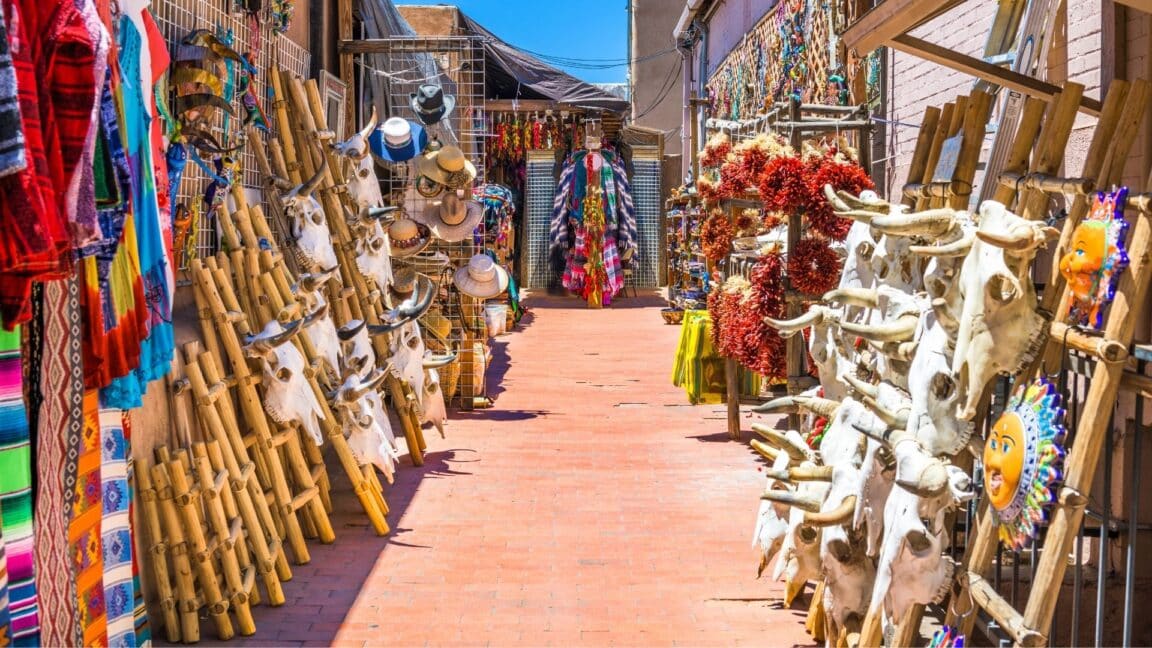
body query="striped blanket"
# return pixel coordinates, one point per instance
(16, 494)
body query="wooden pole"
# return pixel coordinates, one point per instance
(188, 602)
(158, 548)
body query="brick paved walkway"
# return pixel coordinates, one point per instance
(589, 506)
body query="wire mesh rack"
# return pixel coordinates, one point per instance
(540, 189)
(247, 34)
(389, 77)
(645, 184)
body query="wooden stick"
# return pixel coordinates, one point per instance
(202, 558)
(226, 539)
(150, 515)
(178, 548)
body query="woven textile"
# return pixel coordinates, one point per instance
(84, 530)
(16, 494)
(140, 610)
(60, 423)
(115, 534)
(5, 619)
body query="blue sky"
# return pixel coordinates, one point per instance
(579, 29)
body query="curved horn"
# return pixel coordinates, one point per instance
(305, 190)
(901, 330)
(1025, 237)
(371, 384)
(838, 203)
(956, 248)
(810, 473)
(782, 405)
(310, 282)
(897, 420)
(273, 341)
(783, 442)
(787, 328)
(350, 331)
(864, 297)
(765, 450)
(934, 222)
(435, 362)
(899, 350)
(859, 386)
(810, 504)
(825, 407)
(421, 300)
(315, 316)
(373, 121)
(778, 475)
(842, 514)
(381, 213)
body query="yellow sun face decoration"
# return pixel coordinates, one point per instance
(1096, 258)
(1022, 457)
(1004, 460)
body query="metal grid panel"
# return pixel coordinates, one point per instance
(270, 50)
(538, 195)
(645, 183)
(459, 63)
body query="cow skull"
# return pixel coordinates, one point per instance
(288, 396)
(321, 329)
(365, 423)
(309, 224)
(360, 169)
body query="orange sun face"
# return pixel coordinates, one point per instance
(1087, 256)
(1004, 460)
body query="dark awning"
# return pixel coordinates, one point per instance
(512, 74)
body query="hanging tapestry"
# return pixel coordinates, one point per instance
(60, 424)
(115, 536)
(16, 494)
(84, 529)
(140, 612)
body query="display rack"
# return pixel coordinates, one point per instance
(459, 63)
(687, 266)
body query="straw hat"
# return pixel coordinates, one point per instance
(398, 140)
(452, 219)
(448, 166)
(408, 237)
(404, 281)
(431, 104)
(481, 278)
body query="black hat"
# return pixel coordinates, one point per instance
(431, 104)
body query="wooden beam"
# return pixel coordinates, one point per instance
(987, 71)
(889, 19)
(1139, 5)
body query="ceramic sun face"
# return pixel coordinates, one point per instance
(1096, 258)
(1022, 457)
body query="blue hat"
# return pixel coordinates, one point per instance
(398, 140)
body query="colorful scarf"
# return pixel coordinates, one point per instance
(84, 531)
(116, 537)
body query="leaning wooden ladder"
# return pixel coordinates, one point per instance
(1115, 133)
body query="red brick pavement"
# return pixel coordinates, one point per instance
(589, 506)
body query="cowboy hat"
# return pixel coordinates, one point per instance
(408, 237)
(481, 278)
(452, 219)
(431, 104)
(448, 167)
(398, 140)
(429, 263)
(404, 281)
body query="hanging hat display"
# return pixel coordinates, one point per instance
(408, 237)
(431, 104)
(452, 219)
(398, 140)
(481, 278)
(404, 281)
(1022, 458)
(448, 167)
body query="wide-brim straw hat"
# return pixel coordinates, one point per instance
(448, 167)
(398, 140)
(451, 218)
(408, 237)
(481, 278)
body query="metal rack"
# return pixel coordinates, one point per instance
(458, 67)
(271, 50)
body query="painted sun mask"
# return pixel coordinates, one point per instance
(1022, 456)
(1096, 259)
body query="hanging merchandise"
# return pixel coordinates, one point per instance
(452, 218)
(1022, 458)
(1096, 258)
(430, 104)
(593, 223)
(398, 140)
(698, 368)
(482, 278)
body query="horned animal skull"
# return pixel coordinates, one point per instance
(309, 223)
(288, 396)
(365, 423)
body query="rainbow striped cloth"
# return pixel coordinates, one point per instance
(16, 495)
